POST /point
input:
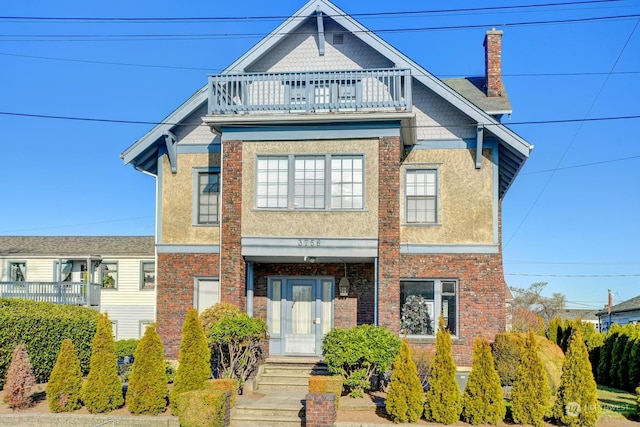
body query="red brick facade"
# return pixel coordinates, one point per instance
(175, 285)
(481, 287)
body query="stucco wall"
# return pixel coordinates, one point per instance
(310, 223)
(465, 198)
(177, 202)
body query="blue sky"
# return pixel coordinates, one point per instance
(570, 218)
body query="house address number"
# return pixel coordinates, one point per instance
(308, 242)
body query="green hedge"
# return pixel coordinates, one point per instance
(201, 408)
(43, 327)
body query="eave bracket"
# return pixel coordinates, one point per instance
(171, 142)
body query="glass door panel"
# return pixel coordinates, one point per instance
(301, 338)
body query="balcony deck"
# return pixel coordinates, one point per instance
(377, 90)
(67, 293)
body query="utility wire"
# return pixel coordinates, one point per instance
(210, 70)
(583, 165)
(206, 36)
(566, 150)
(282, 17)
(571, 275)
(142, 122)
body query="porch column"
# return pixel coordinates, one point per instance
(250, 288)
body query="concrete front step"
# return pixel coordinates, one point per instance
(288, 373)
(273, 409)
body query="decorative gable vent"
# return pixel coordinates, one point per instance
(338, 38)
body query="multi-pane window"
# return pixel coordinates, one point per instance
(347, 182)
(208, 195)
(147, 275)
(422, 302)
(272, 181)
(109, 275)
(17, 271)
(310, 182)
(421, 193)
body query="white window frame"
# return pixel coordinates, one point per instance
(197, 295)
(410, 195)
(273, 192)
(440, 295)
(142, 327)
(143, 276)
(197, 173)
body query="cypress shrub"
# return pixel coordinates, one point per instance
(604, 362)
(202, 408)
(443, 401)
(147, 391)
(20, 379)
(555, 331)
(423, 357)
(616, 374)
(531, 393)
(41, 327)
(482, 400)
(194, 367)
(404, 395)
(102, 391)
(624, 373)
(65, 382)
(634, 363)
(577, 398)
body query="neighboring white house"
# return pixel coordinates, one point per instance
(123, 266)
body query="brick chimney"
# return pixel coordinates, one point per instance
(493, 62)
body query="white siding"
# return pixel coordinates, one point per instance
(128, 319)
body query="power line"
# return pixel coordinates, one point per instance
(570, 262)
(566, 150)
(571, 275)
(583, 165)
(282, 17)
(76, 225)
(205, 36)
(152, 123)
(208, 69)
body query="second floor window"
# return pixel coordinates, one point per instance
(147, 275)
(208, 192)
(310, 182)
(421, 196)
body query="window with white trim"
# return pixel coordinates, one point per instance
(422, 302)
(316, 182)
(206, 293)
(421, 192)
(17, 271)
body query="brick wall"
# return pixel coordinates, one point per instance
(233, 274)
(389, 233)
(175, 293)
(320, 410)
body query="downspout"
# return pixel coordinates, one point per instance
(375, 293)
(250, 288)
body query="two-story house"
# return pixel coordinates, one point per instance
(113, 274)
(324, 179)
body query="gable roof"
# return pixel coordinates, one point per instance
(514, 150)
(632, 304)
(81, 246)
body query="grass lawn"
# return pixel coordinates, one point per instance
(617, 403)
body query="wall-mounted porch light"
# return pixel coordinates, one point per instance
(343, 286)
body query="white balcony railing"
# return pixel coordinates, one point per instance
(316, 91)
(69, 293)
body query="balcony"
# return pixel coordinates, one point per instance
(68, 293)
(379, 90)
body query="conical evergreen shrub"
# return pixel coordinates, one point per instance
(20, 379)
(616, 374)
(443, 400)
(531, 395)
(65, 383)
(195, 367)
(102, 391)
(404, 395)
(577, 399)
(147, 391)
(606, 351)
(634, 363)
(482, 400)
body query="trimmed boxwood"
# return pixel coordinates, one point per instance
(42, 327)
